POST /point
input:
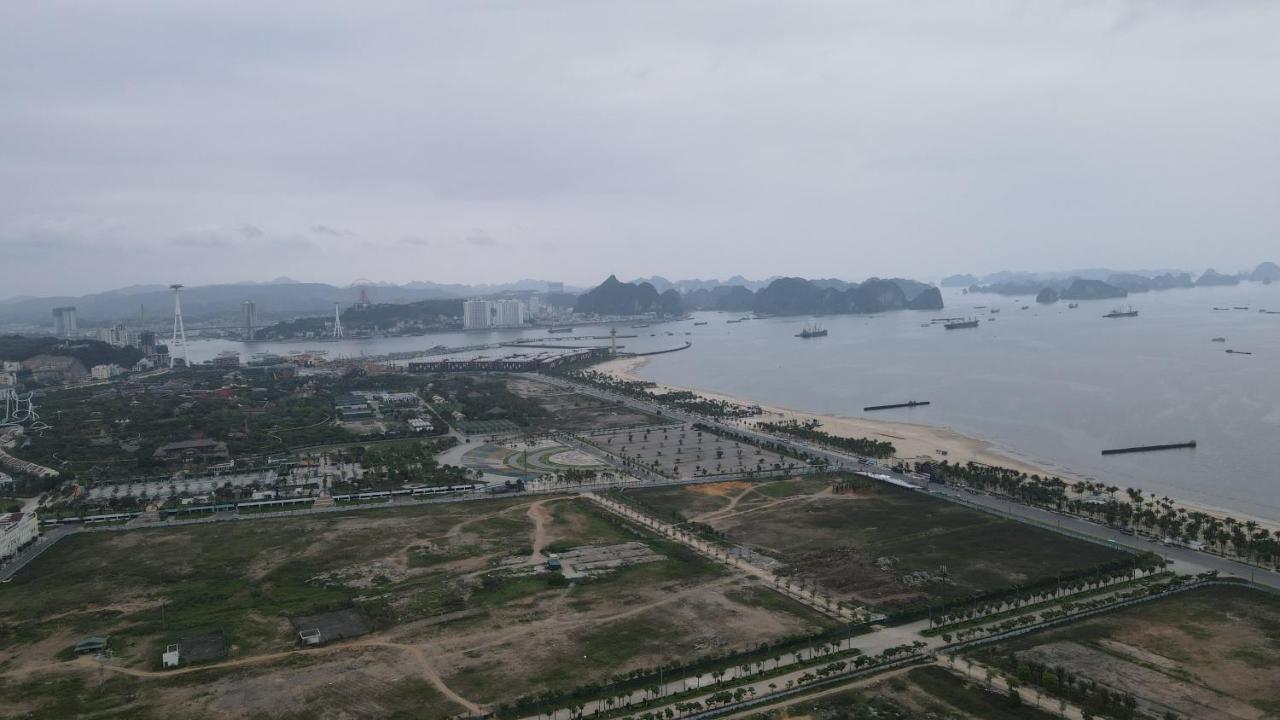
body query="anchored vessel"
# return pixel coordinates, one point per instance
(1118, 313)
(560, 330)
(811, 331)
(959, 324)
(911, 404)
(1146, 448)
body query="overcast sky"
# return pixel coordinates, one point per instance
(205, 142)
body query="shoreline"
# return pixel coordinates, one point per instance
(912, 441)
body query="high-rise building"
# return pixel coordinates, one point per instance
(65, 324)
(509, 313)
(250, 319)
(116, 334)
(477, 314)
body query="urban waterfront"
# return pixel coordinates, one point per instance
(1049, 384)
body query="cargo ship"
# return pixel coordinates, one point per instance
(960, 324)
(812, 331)
(560, 330)
(1118, 313)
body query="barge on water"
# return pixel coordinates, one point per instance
(960, 324)
(909, 404)
(1149, 448)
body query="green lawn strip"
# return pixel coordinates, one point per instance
(1014, 612)
(606, 690)
(971, 698)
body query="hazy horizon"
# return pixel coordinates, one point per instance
(203, 142)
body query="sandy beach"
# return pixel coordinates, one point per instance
(912, 441)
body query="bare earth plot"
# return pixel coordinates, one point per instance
(874, 543)
(1209, 654)
(461, 612)
(573, 412)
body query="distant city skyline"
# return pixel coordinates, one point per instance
(147, 143)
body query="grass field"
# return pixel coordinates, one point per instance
(1209, 654)
(875, 543)
(449, 590)
(574, 412)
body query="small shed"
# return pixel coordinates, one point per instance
(91, 645)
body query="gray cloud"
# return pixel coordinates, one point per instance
(481, 239)
(854, 138)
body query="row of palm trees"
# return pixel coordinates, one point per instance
(1134, 511)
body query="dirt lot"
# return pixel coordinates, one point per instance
(683, 452)
(1209, 654)
(574, 412)
(458, 619)
(874, 543)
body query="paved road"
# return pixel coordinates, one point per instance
(1186, 558)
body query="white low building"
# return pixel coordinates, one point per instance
(105, 372)
(16, 531)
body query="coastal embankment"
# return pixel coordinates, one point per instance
(914, 442)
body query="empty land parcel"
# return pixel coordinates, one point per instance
(1210, 654)
(460, 608)
(874, 543)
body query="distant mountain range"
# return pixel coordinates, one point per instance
(781, 296)
(1101, 283)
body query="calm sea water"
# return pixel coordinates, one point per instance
(1050, 384)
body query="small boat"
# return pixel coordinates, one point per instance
(1072, 306)
(1218, 339)
(812, 331)
(1218, 308)
(1237, 307)
(640, 325)
(995, 310)
(1118, 313)
(733, 321)
(1237, 352)
(1026, 307)
(960, 324)
(700, 323)
(555, 330)
(979, 307)
(926, 324)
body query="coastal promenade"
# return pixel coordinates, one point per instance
(1187, 559)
